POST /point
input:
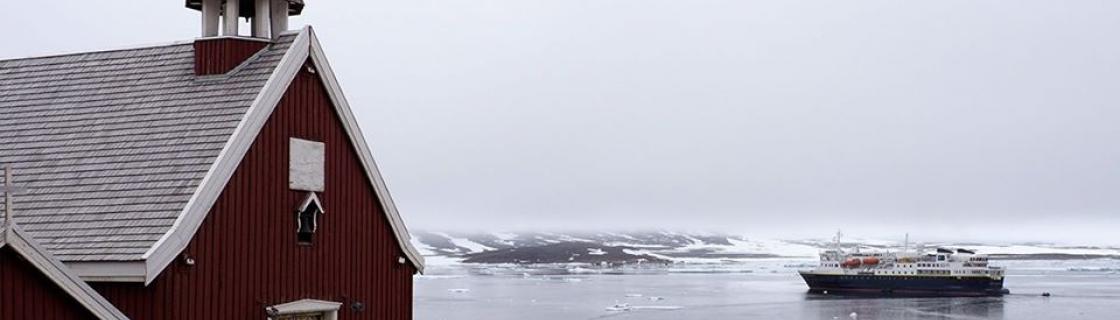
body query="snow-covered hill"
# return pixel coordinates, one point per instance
(680, 247)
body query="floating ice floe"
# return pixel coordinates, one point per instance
(582, 270)
(459, 290)
(435, 277)
(1090, 269)
(656, 307)
(628, 307)
(633, 295)
(620, 307)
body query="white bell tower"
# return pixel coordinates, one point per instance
(268, 18)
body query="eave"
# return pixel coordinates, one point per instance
(13, 236)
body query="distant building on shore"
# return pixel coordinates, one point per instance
(219, 178)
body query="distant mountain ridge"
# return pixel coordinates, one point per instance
(665, 247)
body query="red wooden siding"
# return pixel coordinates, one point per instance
(246, 251)
(220, 55)
(26, 293)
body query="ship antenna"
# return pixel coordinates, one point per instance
(906, 244)
(838, 235)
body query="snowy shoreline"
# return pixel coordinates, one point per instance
(664, 249)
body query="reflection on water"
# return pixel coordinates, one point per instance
(906, 308)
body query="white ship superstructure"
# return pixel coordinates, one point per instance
(942, 271)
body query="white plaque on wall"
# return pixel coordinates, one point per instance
(306, 165)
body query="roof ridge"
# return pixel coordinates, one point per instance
(110, 50)
(129, 47)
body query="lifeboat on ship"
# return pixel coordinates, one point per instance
(870, 261)
(851, 263)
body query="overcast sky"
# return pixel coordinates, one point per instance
(948, 119)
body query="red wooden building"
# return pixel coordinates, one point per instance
(37, 286)
(220, 178)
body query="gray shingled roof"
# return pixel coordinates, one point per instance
(113, 144)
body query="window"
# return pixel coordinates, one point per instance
(307, 218)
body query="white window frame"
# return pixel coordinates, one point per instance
(329, 309)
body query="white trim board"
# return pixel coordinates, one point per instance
(312, 198)
(168, 247)
(109, 271)
(342, 107)
(329, 309)
(186, 225)
(13, 236)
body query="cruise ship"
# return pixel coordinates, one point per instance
(941, 272)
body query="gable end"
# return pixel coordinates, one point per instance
(305, 47)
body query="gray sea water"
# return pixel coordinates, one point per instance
(770, 290)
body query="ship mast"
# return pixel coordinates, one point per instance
(906, 244)
(838, 252)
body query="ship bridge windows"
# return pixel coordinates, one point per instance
(933, 272)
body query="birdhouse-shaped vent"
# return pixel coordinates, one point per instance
(307, 218)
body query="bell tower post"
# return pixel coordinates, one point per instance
(216, 54)
(267, 18)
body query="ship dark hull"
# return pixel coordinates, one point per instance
(943, 286)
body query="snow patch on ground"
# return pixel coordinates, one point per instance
(647, 252)
(505, 237)
(720, 249)
(775, 247)
(471, 246)
(634, 245)
(567, 238)
(425, 250)
(440, 260)
(693, 240)
(746, 246)
(1023, 249)
(626, 236)
(431, 258)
